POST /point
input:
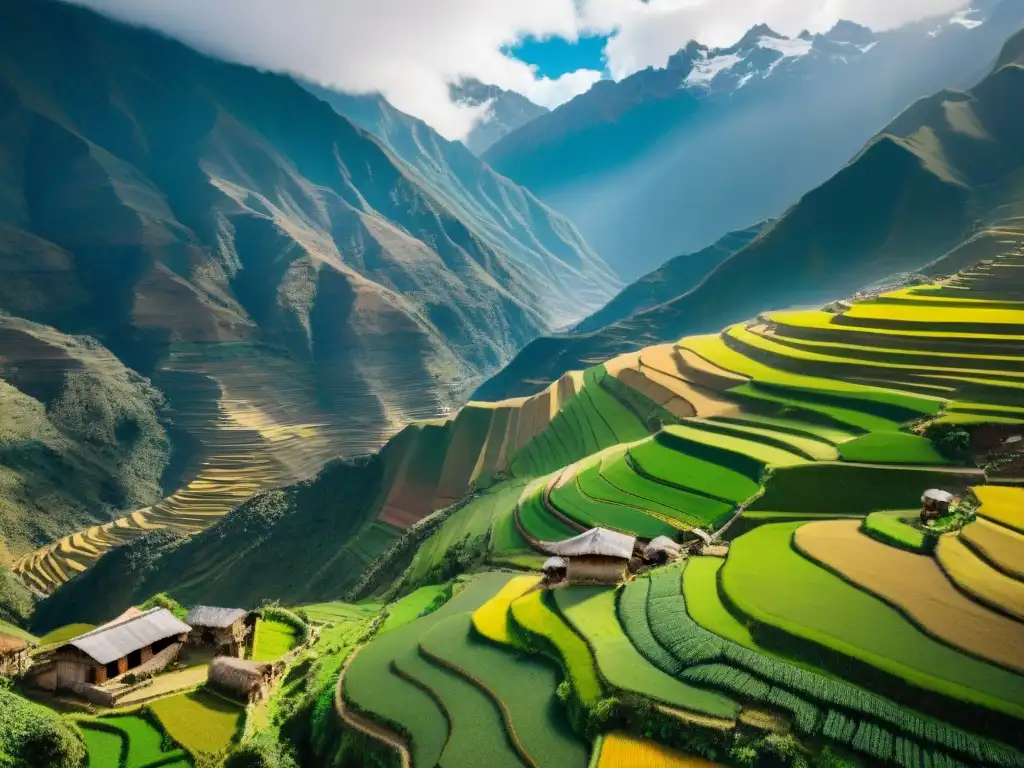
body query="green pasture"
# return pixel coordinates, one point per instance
(470, 523)
(477, 732)
(892, 448)
(689, 473)
(772, 584)
(533, 615)
(817, 488)
(591, 483)
(524, 685)
(688, 507)
(745, 453)
(272, 640)
(890, 528)
(401, 612)
(104, 747)
(573, 503)
(372, 687)
(705, 606)
(591, 612)
(803, 445)
(537, 520)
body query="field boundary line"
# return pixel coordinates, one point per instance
(364, 724)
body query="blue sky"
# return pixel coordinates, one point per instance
(556, 56)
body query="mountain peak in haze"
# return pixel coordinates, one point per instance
(506, 111)
(844, 31)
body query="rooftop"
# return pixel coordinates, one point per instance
(596, 541)
(210, 616)
(120, 637)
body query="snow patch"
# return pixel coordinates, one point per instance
(788, 48)
(744, 80)
(704, 72)
(960, 17)
(868, 47)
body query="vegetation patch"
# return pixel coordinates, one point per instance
(273, 639)
(199, 720)
(773, 585)
(705, 606)
(1002, 504)
(897, 530)
(591, 611)
(533, 616)
(491, 619)
(980, 580)
(892, 448)
(418, 603)
(63, 634)
(623, 750)
(523, 688)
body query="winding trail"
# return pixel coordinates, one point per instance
(364, 724)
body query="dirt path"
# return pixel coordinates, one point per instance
(917, 587)
(364, 724)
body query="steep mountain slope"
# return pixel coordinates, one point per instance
(552, 253)
(675, 276)
(294, 289)
(947, 169)
(506, 111)
(721, 138)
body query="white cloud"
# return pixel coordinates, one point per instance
(410, 49)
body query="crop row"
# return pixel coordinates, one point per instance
(688, 644)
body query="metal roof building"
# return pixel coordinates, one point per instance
(119, 638)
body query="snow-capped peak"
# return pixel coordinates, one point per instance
(786, 46)
(706, 69)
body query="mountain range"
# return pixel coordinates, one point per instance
(669, 159)
(213, 281)
(940, 187)
(504, 111)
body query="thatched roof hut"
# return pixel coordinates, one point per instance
(13, 656)
(935, 503)
(595, 556)
(245, 679)
(661, 549)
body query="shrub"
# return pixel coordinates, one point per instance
(163, 600)
(261, 751)
(37, 738)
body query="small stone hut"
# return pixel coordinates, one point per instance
(934, 504)
(246, 680)
(13, 656)
(597, 556)
(144, 644)
(222, 629)
(661, 549)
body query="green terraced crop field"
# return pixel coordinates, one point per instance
(524, 686)
(891, 528)
(591, 612)
(773, 585)
(272, 640)
(892, 448)
(200, 721)
(536, 618)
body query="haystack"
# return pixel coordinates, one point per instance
(13, 656)
(248, 680)
(661, 549)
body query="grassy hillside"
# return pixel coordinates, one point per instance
(294, 289)
(948, 168)
(82, 437)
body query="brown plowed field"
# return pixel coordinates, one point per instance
(915, 585)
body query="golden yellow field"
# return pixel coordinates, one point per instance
(491, 619)
(620, 750)
(1003, 504)
(980, 580)
(916, 585)
(1001, 546)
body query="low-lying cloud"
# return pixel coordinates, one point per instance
(410, 50)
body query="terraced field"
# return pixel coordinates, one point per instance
(129, 741)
